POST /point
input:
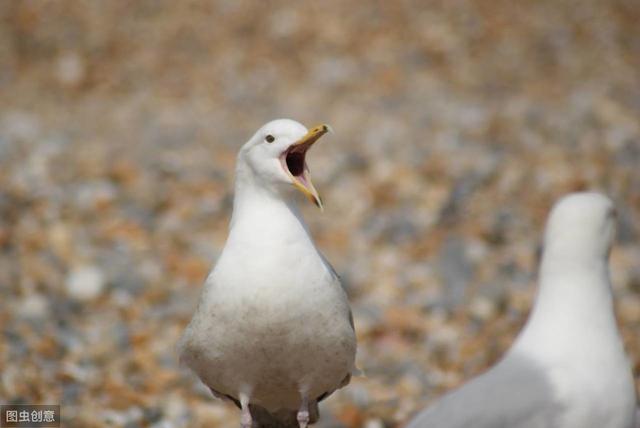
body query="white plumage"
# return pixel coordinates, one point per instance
(567, 368)
(273, 328)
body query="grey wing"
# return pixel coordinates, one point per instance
(337, 278)
(514, 394)
(328, 265)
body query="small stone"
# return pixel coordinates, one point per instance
(85, 283)
(444, 337)
(482, 308)
(33, 306)
(70, 69)
(374, 423)
(61, 240)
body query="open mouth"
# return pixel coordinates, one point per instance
(294, 163)
(295, 159)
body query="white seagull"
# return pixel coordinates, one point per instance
(273, 330)
(567, 368)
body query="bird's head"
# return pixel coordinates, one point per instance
(276, 156)
(582, 224)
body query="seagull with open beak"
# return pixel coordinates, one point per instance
(275, 158)
(273, 330)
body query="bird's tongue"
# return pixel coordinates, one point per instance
(303, 179)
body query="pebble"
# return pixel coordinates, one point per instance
(70, 69)
(85, 283)
(34, 306)
(374, 423)
(482, 308)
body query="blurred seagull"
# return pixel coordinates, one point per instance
(273, 330)
(567, 368)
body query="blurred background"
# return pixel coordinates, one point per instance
(457, 124)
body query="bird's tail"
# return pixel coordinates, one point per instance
(283, 418)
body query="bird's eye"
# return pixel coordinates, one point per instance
(269, 138)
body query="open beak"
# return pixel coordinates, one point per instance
(294, 163)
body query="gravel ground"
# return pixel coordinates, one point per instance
(457, 124)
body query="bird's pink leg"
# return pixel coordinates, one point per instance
(303, 413)
(245, 417)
